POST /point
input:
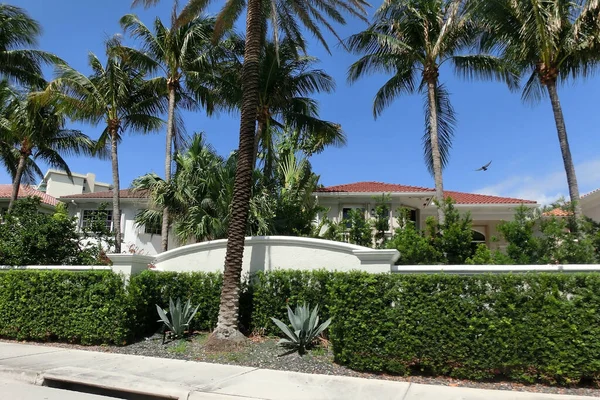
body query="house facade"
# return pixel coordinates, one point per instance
(486, 211)
(57, 184)
(47, 202)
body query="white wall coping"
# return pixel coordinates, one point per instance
(58, 267)
(494, 269)
(270, 240)
(128, 258)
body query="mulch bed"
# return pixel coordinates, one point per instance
(262, 352)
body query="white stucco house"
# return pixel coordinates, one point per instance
(47, 202)
(486, 211)
(57, 184)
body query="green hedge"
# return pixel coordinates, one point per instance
(151, 288)
(82, 307)
(529, 327)
(534, 327)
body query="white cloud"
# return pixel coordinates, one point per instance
(546, 188)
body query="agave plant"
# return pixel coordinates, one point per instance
(179, 319)
(305, 327)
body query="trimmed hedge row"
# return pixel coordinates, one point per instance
(534, 327)
(83, 307)
(531, 327)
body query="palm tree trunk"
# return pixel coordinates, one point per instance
(565, 149)
(435, 150)
(17, 181)
(116, 194)
(259, 132)
(227, 324)
(164, 232)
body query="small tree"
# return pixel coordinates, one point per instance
(523, 247)
(454, 236)
(413, 246)
(381, 222)
(359, 230)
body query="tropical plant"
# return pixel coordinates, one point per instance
(35, 132)
(199, 195)
(411, 39)
(116, 95)
(184, 56)
(177, 319)
(287, 82)
(305, 328)
(550, 42)
(288, 17)
(358, 229)
(18, 65)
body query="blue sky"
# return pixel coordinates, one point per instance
(493, 124)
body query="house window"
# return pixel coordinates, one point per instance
(153, 228)
(92, 217)
(346, 214)
(477, 239)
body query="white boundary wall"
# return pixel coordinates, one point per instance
(265, 253)
(493, 269)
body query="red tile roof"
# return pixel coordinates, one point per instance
(124, 194)
(459, 197)
(372, 187)
(27, 191)
(557, 212)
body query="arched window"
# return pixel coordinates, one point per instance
(478, 237)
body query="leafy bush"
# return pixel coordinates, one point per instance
(454, 237)
(359, 230)
(305, 328)
(177, 318)
(530, 327)
(30, 237)
(151, 288)
(413, 246)
(78, 307)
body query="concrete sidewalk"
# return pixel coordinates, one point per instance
(187, 380)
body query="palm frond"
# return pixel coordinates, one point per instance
(446, 123)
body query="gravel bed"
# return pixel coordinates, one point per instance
(264, 353)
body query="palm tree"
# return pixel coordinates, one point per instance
(116, 95)
(199, 195)
(411, 39)
(37, 132)
(183, 54)
(289, 17)
(549, 42)
(287, 80)
(22, 66)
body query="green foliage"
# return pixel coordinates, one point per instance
(535, 238)
(150, 288)
(31, 237)
(358, 229)
(381, 222)
(305, 327)
(89, 307)
(529, 328)
(273, 290)
(413, 246)
(453, 238)
(178, 318)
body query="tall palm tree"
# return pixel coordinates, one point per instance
(38, 133)
(411, 39)
(183, 55)
(289, 17)
(549, 42)
(116, 95)
(22, 66)
(287, 80)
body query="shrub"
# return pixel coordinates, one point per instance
(359, 229)
(79, 307)
(177, 318)
(454, 237)
(30, 237)
(150, 288)
(413, 246)
(531, 327)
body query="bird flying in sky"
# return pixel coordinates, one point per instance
(485, 167)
